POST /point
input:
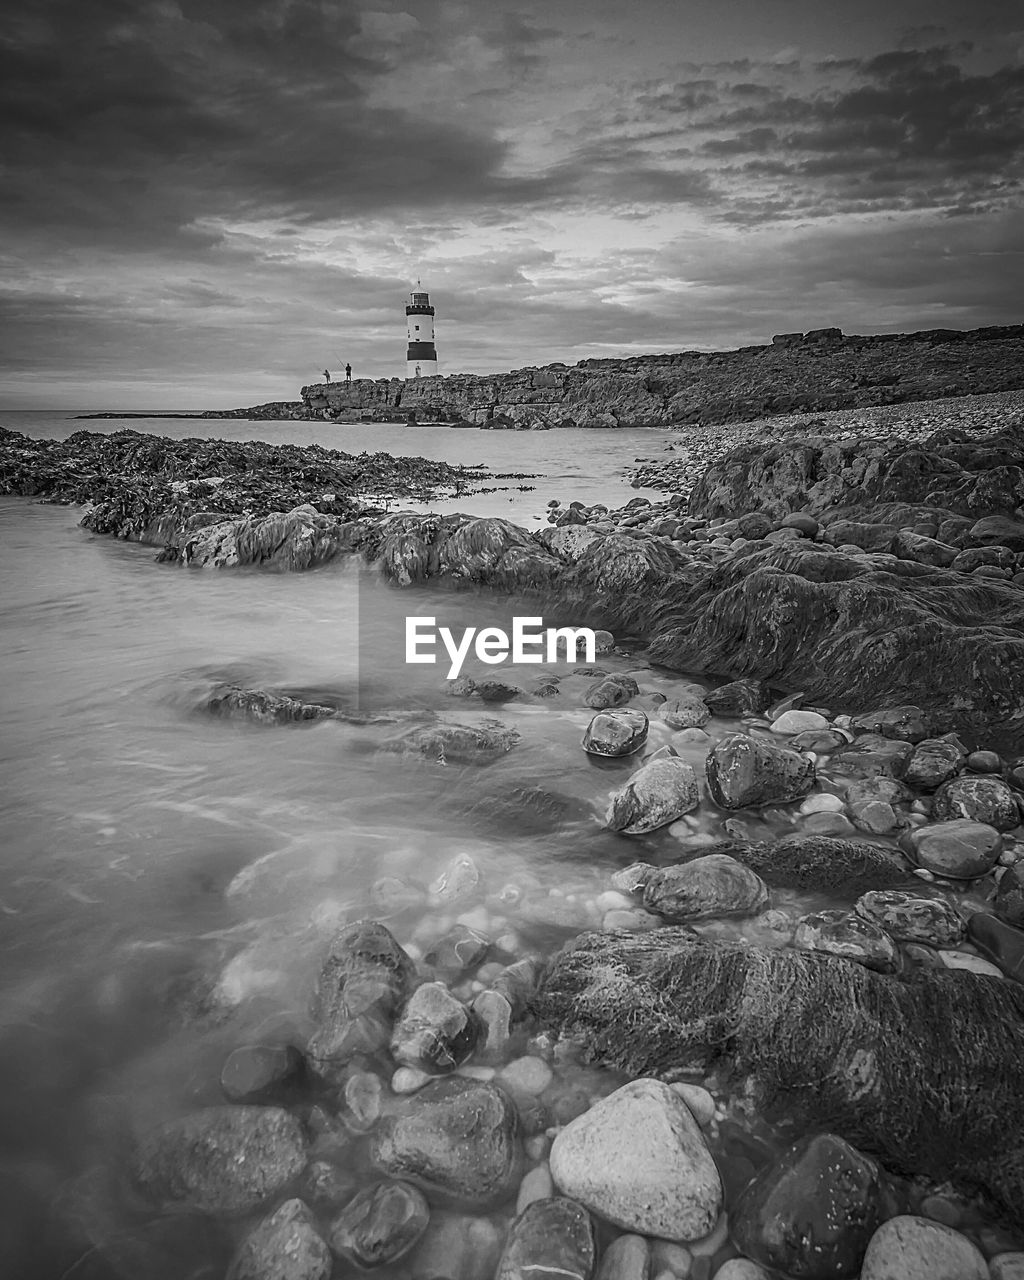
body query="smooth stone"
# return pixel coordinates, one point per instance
(616, 733)
(984, 762)
(811, 1213)
(935, 761)
(380, 1224)
(284, 1246)
(908, 917)
(823, 802)
(536, 1185)
(799, 722)
(741, 1269)
(979, 798)
(221, 1159)
(743, 770)
(876, 817)
(849, 936)
(550, 1238)
(362, 1098)
(1008, 904)
(1000, 942)
(527, 1075)
(362, 984)
(684, 713)
(655, 796)
(912, 1248)
(257, 1072)
(409, 1080)
(459, 949)
(456, 1139)
(959, 848)
(712, 885)
(967, 962)
(435, 1032)
(626, 1258)
(638, 1159)
(493, 1012)
(828, 824)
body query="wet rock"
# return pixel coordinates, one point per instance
(480, 744)
(457, 882)
(1001, 942)
(616, 733)
(632, 879)
(460, 949)
(391, 895)
(1007, 1266)
(552, 1237)
(909, 1248)
(259, 1072)
(536, 1185)
(849, 936)
(915, 546)
(1009, 899)
(741, 1269)
(260, 706)
(935, 761)
(883, 1063)
(979, 797)
(754, 525)
(493, 1013)
(811, 1213)
(220, 1159)
(657, 794)
(435, 1032)
(739, 698)
(714, 885)
(999, 531)
(497, 691)
(456, 1139)
(984, 762)
(363, 982)
(609, 693)
(821, 863)
(284, 1246)
(743, 770)
(876, 817)
(362, 1099)
(684, 713)
(517, 982)
(960, 849)
(870, 755)
(796, 721)
(626, 1258)
(638, 1159)
(907, 724)
(907, 917)
(380, 1224)
(456, 1246)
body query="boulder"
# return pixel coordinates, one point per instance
(909, 1248)
(812, 1211)
(364, 980)
(435, 1032)
(380, 1224)
(638, 1160)
(658, 793)
(909, 917)
(714, 885)
(616, 733)
(221, 1159)
(998, 531)
(285, 1246)
(743, 770)
(738, 698)
(960, 849)
(820, 864)
(915, 546)
(883, 1063)
(849, 936)
(980, 798)
(551, 1237)
(457, 1139)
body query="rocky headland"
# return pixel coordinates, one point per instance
(793, 940)
(820, 371)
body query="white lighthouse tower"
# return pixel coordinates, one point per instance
(421, 358)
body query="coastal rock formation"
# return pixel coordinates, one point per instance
(820, 370)
(883, 1063)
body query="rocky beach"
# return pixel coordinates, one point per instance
(723, 979)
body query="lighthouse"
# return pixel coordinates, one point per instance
(421, 358)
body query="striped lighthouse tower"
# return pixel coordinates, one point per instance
(421, 358)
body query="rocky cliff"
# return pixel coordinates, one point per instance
(798, 372)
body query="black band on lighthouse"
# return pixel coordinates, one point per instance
(421, 351)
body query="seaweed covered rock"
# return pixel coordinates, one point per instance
(638, 1159)
(910, 917)
(220, 1159)
(363, 983)
(820, 864)
(891, 1066)
(744, 770)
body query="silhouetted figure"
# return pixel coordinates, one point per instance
(327, 374)
(348, 373)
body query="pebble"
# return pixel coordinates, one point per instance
(823, 802)
(409, 1079)
(668, 1256)
(741, 1269)
(536, 1185)
(626, 1258)
(526, 1075)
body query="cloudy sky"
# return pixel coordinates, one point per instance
(206, 202)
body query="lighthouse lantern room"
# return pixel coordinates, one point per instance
(421, 358)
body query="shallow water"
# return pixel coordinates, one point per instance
(169, 880)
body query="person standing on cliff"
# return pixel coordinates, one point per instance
(348, 373)
(327, 375)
